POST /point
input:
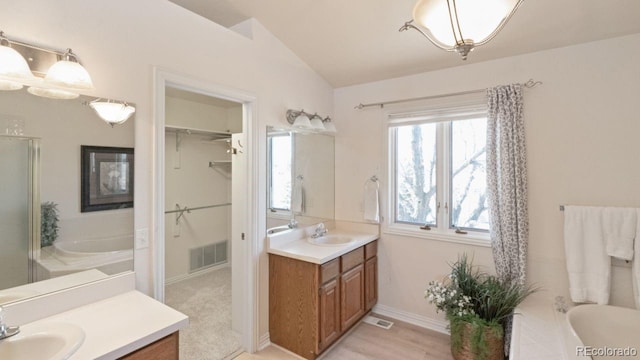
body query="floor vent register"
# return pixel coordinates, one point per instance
(385, 324)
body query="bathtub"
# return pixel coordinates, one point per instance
(110, 255)
(606, 332)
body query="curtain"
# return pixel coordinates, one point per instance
(507, 182)
(507, 186)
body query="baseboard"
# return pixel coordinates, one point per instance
(179, 278)
(263, 341)
(411, 318)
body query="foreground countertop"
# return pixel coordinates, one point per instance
(120, 324)
(294, 245)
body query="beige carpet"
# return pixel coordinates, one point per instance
(206, 299)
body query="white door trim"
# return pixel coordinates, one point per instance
(162, 78)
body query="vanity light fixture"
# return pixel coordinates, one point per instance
(112, 112)
(299, 119)
(329, 126)
(316, 123)
(63, 75)
(309, 123)
(14, 69)
(461, 25)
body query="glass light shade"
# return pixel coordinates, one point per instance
(477, 19)
(112, 112)
(52, 93)
(70, 75)
(302, 122)
(316, 123)
(10, 85)
(13, 69)
(329, 127)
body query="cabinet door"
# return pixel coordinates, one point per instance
(163, 349)
(352, 296)
(371, 282)
(329, 314)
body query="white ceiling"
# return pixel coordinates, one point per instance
(357, 41)
(199, 98)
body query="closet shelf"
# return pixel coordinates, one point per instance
(216, 135)
(219, 163)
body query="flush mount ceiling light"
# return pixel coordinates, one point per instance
(63, 75)
(461, 25)
(14, 69)
(309, 123)
(112, 112)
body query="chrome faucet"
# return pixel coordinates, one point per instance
(321, 231)
(6, 331)
(292, 224)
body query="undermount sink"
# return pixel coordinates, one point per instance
(44, 341)
(330, 240)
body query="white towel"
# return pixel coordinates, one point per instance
(588, 264)
(371, 201)
(635, 267)
(297, 196)
(619, 226)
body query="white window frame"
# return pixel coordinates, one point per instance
(432, 114)
(284, 214)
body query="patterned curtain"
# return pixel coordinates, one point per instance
(507, 182)
(507, 187)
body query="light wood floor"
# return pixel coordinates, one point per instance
(367, 342)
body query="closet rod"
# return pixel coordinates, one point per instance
(196, 208)
(529, 84)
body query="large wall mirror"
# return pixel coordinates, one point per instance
(48, 239)
(301, 178)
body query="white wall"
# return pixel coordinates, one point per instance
(581, 128)
(121, 41)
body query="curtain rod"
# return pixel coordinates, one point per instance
(529, 84)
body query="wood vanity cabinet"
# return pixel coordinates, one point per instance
(311, 305)
(163, 349)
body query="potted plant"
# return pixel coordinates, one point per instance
(478, 306)
(48, 223)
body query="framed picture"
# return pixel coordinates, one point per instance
(106, 178)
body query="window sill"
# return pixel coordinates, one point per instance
(480, 240)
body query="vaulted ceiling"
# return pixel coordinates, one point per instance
(357, 41)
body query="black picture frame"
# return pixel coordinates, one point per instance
(106, 178)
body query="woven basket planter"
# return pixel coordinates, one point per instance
(492, 347)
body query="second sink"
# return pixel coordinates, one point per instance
(330, 240)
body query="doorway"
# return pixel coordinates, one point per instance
(204, 252)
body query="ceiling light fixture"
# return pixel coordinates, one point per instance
(111, 111)
(309, 123)
(461, 25)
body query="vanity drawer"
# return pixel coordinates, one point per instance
(329, 270)
(352, 259)
(371, 250)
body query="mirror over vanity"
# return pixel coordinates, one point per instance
(49, 239)
(300, 177)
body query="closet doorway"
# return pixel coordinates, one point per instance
(203, 258)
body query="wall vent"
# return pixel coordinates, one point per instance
(206, 256)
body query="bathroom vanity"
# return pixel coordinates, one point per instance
(106, 319)
(317, 293)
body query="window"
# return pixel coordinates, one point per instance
(438, 170)
(280, 173)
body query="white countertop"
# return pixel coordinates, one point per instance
(293, 244)
(120, 324)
